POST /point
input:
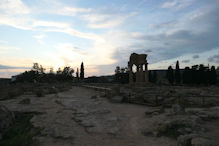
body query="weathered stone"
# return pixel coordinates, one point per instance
(177, 109)
(185, 140)
(196, 141)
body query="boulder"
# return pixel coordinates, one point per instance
(185, 140)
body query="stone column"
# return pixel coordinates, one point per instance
(130, 74)
(146, 72)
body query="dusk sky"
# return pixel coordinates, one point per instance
(103, 33)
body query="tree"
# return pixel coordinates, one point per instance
(51, 70)
(150, 76)
(117, 70)
(213, 77)
(121, 75)
(36, 67)
(68, 71)
(82, 71)
(154, 77)
(170, 75)
(187, 75)
(177, 73)
(59, 71)
(77, 74)
(41, 69)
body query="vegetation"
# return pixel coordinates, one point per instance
(21, 132)
(82, 71)
(37, 74)
(77, 75)
(177, 73)
(199, 74)
(121, 75)
(170, 75)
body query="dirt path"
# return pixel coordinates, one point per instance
(74, 118)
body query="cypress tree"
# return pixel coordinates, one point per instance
(82, 71)
(77, 74)
(177, 73)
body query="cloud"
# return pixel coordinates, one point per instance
(12, 67)
(185, 61)
(13, 7)
(167, 24)
(177, 4)
(195, 56)
(4, 48)
(97, 20)
(72, 11)
(71, 48)
(23, 20)
(214, 59)
(3, 42)
(39, 38)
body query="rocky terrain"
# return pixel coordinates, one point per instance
(84, 117)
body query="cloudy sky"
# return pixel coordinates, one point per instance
(103, 33)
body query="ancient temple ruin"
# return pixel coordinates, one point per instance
(140, 61)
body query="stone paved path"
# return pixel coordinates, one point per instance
(74, 118)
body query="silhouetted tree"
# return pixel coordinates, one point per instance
(59, 71)
(68, 71)
(150, 76)
(51, 70)
(177, 73)
(170, 75)
(187, 75)
(154, 77)
(121, 75)
(117, 70)
(77, 74)
(82, 71)
(36, 67)
(213, 75)
(42, 70)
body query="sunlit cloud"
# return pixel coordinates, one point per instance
(106, 20)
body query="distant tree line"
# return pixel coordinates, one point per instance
(121, 75)
(152, 76)
(197, 74)
(38, 74)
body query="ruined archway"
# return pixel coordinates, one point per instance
(141, 67)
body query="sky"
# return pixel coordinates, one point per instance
(103, 33)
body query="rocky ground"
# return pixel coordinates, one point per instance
(85, 117)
